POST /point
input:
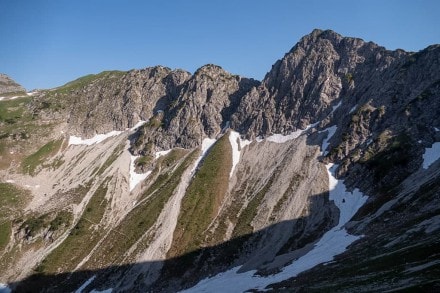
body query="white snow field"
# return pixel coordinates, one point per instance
(75, 140)
(335, 107)
(279, 138)
(207, 143)
(237, 145)
(332, 243)
(331, 131)
(4, 288)
(137, 125)
(86, 283)
(161, 153)
(135, 178)
(431, 155)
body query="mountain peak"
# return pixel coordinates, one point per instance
(9, 86)
(317, 36)
(210, 68)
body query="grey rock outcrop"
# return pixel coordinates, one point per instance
(118, 100)
(9, 86)
(202, 109)
(375, 98)
(314, 76)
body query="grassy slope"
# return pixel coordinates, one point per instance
(59, 98)
(33, 161)
(81, 239)
(12, 201)
(15, 124)
(203, 198)
(20, 130)
(144, 215)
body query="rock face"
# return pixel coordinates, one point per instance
(315, 75)
(202, 108)
(261, 198)
(118, 100)
(8, 86)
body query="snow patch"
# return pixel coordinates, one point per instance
(83, 286)
(431, 155)
(135, 178)
(352, 109)
(331, 244)
(75, 140)
(279, 138)
(137, 125)
(10, 181)
(161, 153)
(436, 129)
(422, 267)
(347, 202)
(244, 143)
(237, 145)
(31, 186)
(10, 98)
(206, 145)
(336, 107)
(110, 290)
(234, 138)
(429, 225)
(331, 131)
(4, 288)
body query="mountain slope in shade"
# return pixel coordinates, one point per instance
(323, 176)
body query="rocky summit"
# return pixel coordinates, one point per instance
(324, 176)
(9, 88)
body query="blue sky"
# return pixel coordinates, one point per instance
(46, 43)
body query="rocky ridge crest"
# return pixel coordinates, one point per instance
(9, 86)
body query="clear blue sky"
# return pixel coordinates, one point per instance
(46, 43)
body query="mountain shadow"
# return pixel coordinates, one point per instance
(188, 269)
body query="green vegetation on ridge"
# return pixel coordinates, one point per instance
(5, 233)
(88, 79)
(12, 201)
(82, 237)
(12, 111)
(244, 221)
(142, 217)
(30, 163)
(203, 198)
